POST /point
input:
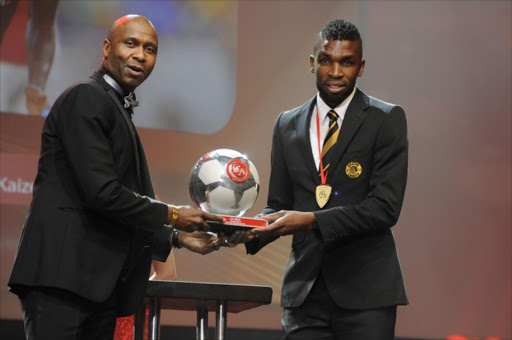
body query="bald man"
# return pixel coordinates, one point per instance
(93, 226)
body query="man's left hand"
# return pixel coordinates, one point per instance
(286, 223)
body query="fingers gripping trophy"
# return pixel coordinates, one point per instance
(225, 182)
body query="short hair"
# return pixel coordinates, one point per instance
(339, 29)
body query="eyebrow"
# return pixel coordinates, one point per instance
(352, 56)
(323, 54)
(328, 55)
(140, 42)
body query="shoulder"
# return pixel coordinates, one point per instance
(301, 111)
(389, 118)
(83, 100)
(83, 87)
(88, 92)
(88, 87)
(379, 106)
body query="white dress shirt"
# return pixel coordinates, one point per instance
(323, 109)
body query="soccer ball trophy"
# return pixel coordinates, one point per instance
(226, 182)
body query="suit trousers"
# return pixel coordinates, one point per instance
(52, 313)
(320, 318)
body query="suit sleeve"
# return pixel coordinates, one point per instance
(161, 245)
(280, 195)
(84, 126)
(381, 208)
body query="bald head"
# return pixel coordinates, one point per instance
(124, 20)
(129, 52)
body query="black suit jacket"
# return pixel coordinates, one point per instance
(92, 223)
(354, 248)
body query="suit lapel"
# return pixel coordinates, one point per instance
(302, 120)
(354, 117)
(129, 123)
(98, 76)
(145, 178)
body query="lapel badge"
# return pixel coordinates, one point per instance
(353, 169)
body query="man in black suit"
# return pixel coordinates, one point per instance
(94, 226)
(343, 278)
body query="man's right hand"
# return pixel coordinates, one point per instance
(192, 219)
(200, 242)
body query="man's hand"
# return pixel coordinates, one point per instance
(200, 242)
(237, 237)
(286, 223)
(191, 219)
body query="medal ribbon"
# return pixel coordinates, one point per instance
(323, 176)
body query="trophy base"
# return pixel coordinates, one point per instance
(236, 223)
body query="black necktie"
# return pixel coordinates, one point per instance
(330, 138)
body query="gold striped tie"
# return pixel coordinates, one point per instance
(330, 138)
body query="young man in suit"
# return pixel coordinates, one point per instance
(94, 226)
(337, 185)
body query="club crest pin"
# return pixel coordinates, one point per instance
(353, 169)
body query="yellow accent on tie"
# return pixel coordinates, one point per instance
(331, 137)
(330, 142)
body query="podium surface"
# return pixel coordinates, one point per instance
(201, 297)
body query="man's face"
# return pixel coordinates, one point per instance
(336, 66)
(130, 53)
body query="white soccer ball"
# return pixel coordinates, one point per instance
(225, 182)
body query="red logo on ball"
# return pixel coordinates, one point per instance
(237, 170)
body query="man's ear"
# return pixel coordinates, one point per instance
(360, 73)
(106, 48)
(312, 64)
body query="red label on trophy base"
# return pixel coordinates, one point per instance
(236, 223)
(245, 221)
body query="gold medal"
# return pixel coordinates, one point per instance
(323, 193)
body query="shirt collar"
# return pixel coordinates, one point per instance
(111, 81)
(129, 99)
(341, 109)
